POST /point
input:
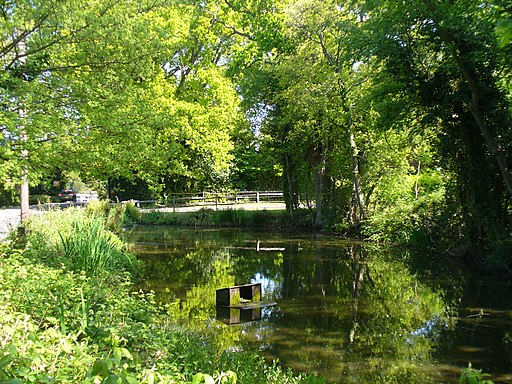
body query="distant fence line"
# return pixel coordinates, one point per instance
(212, 199)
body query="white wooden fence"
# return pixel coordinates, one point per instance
(216, 200)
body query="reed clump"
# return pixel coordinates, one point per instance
(93, 249)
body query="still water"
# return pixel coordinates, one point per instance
(347, 311)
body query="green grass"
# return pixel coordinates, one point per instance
(226, 218)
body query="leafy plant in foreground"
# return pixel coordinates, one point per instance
(222, 378)
(471, 375)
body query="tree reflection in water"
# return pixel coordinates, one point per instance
(350, 312)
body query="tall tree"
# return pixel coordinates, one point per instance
(329, 28)
(36, 80)
(115, 89)
(447, 54)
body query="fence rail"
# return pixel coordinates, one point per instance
(216, 200)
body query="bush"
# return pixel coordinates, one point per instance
(39, 199)
(151, 217)
(132, 213)
(117, 216)
(407, 220)
(471, 375)
(200, 217)
(78, 240)
(229, 217)
(98, 208)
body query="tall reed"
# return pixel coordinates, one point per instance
(93, 249)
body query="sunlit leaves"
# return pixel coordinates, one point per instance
(505, 31)
(127, 88)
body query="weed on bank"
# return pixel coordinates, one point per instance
(224, 218)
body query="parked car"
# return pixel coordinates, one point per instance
(85, 197)
(67, 195)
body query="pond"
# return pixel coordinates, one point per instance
(348, 311)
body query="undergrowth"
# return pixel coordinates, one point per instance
(206, 217)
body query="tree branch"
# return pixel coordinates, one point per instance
(233, 8)
(6, 49)
(229, 27)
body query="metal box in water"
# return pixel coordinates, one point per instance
(239, 295)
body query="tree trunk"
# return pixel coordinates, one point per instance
(318, 175)
(24, 190)
(359, 211)
(289, 189)
(416, 185)
(316, 160)
(493, 145)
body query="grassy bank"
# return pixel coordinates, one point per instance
(222, 218)
(67, 314)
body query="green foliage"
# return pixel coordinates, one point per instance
(113, 215)
(131, 213)
(91, 248)
(39, 199)
(37, 305)
(32, 354)
(501, 254)
(471, 375)
(232, 217)
(161, 218)
(199, 217)
(117, 216)
(143, 92)
(223, 377)
(54, 224)
(80, 239)
(504, 30)
(206, 217)
(407, 212)
(459, 56)
(112, 369)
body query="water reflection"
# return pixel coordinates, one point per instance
(347, 311)
(231, 316)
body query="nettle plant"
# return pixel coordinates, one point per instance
(471, 375)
